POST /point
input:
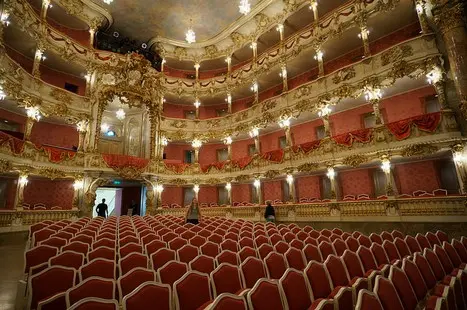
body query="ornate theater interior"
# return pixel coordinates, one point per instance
(348, 117)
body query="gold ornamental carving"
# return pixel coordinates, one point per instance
(308, 167)
(355, 160)
(5, 166)
(178, 182)
(178, 124)
(52, 173)
(213, 181)
(396, 54)
(130, 173)
(419, 150)
(242, 178)
(271, 174)
(344, 75)
(449, 15)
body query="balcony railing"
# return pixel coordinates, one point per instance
(19, 220)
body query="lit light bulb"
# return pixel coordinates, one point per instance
(23, 180)
(197, 103)
(196, 188)
(244, 7)
(386, 166)
(325, 111)
(331, 173)
(78, 184)
(284, 123)
(228, 186)
(228, 140)
(254, 132)
(257, 183)
(196, 143)
(105, 127)
(289, 178)
(159, 188)
(120, 114)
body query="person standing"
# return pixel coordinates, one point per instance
(134, 208)
(193, 214)
(270, 213)
(102, 209)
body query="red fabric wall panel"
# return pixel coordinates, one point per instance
(406, 105)
(272, 190)
(308, 187)
(355, 182)
(305, 132)
(303, 78)
(58, 79)
(80, 35)
(241, 192)
(417, 176)
(51, 193)
(208, 153)
(241, 104)
(172, 194)
(349, 120)
(176, 151)
(210, 111)
(176, 111)
(270, 142)
(240, 148)
(208, 194)
(54, 134)
(25, 62)
(396, 37)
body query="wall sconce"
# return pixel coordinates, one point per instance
(197, 103)
(229, 98)
(228, 140)
(4, 18)
(458, 157)
(373, 94)
(82, 126)
(254, 87)
(159, 188)
(289, 178)
(196, 143)
(196, 188)
(254, 132)
(23, 180)
(324, 111)
(257, 183)
(78, 184)
(33, 113)
(284, 123)
(331, 174)
(434, 76)
(164, 141)
(319, 55)
(228, 186)
(386, 166)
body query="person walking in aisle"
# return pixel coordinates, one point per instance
(102, 209)
(193, 214)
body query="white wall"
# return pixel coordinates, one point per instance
(109, 194)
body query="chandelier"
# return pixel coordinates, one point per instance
(120, 114)
(190, 35)
(2, 94)
(244, 7)
(108, 1)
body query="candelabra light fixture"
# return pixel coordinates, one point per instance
(283, 73)
(254, 132)
(4, 18)
(458, 157)
(33, 113)
(373, 94)
(159, 188)
(386, 165)
(229, 98)
(164, 141)
(434, 76)
(331, 174)
(254, 87)
(228, 186)
(364, 33)
(284, 123)
(108, 1)
(289, 178)
(190, 35)
(257, 183)
(78, 184)
(120, 114)
(324, 111)
(244, 7)
(319, 55)
(313, 5)
(105, 127)
(82, 126)
(197, 103)
(196, 143)
(228, 140)
(40, 55)
(23, 180)
(196, 188)
(2, 94)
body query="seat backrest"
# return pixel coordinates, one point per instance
(161, 257)
(415, 278)
(318, 279)
(340, 246)
(227, 256)
(228, 301)
(444, 259)
(275, 265)
(192, 290)
(367, 258)
(210, 249)
(55, 241)
(326, 249)
(38, 255)
(171, 272)
(353, 264)
(379, 254)
(251, 270)
(99, 267)
(77, 246)
(337, 271)
(91, 287)
(47, 283)
(391, 250)
(295, 289)
(402, 247)
(423, 241)
(127, 283)
(312, 252)
(264, 250)
(202, 263)
(102, 252)
(460, 249)
(246, 252)
(442, 236)
(425, 270)
(130, 248)
(131, 261)
(364, 240)
(412, 243)
(92, 303)
(187, 253)
(68, 259)
(197, 241)
(229, 245)
(403, 287)
(435, 264)
(266, 295)
(376, 238)
(295, 259)
(432, 239)
(226, 279)
(387, 294)
(352, 244)
(368, 301)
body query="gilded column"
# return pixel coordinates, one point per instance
(197, 66)
(364, 33)
(259, 194)
(285, 124)
(255, 88)
(82, 128)
(314, 7)
(386, 167)
(97, 132)
(228, 142)
(19, 197)
(460, 164)
(319, 57)
(78, 186)
(28, 128)
(228, 187)
(449, 18)
(196, 144)
(331, 174)
(291, 182)
(420, 7)
(373, 96)
(196, 190)
(38, 57)
(45, 6)
(324, 114)
(159, 189)
(154, 120)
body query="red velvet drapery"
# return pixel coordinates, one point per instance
(274, 156)
(347, 139)
(57, 155)
(176, 167)
(242, 162)
(218, 165)
(117, 161)
(427, 122)
(307, 146)
(16, 145)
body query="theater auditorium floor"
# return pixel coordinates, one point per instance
(11, 264)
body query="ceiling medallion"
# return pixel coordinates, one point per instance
(244, 7)
(190, 35)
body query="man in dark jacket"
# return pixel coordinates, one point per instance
(102, 209)
(270, 213)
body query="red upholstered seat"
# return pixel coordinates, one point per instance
(246, 252)
(275, 265)
(98, 267)
(368, 301)
(134, 278)
(68, 259)
(187, 253)
(380, 254)
(149, 295)
(432, 239)
(264, 250)
(192, 291)
(364, 240)
(229, 245)
(38, 255)
(91, 287)
(226, 279)
(197, 241)
(376, 238)
(281, 247)
(102, 252)
(128, 239)
(161, 257)
(460, 249)
(403, 287)
(216, 238)
(295, 290)
(355, 268)
(41, 235)
(352, 244)
(311, 240)
(210, 249)
(252, 269)
(49, 282)
(312, 252)
(227, 256)
(77, 246)
(95, 304)
(131, 261)
(171, 272)
(246, 242)
(167, 237)
(402, 247)
(423, 241)
(177, 243)
(295, 259)
(265, 295)
(387, 236)
(340, 246)
(260, 240)
(227, 301)
(326, 249)
(415, 277)
(442, 236)
(83, 238)
(110, 243)
(55, 241)
(391, 251)
(187, 235)
(387, 294)
(397, 234)
(202, 263)
(412, 243)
